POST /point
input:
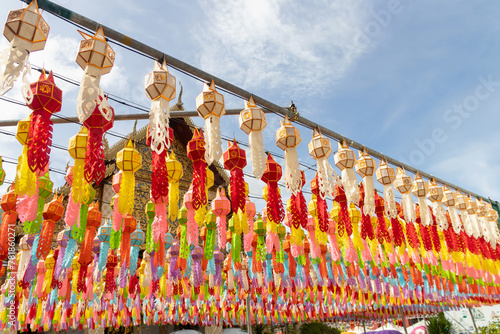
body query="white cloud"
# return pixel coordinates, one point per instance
(283, 44)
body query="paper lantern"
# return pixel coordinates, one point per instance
(25, 178)
(449, 201)
(221, 207)
(321, 205)
(488, 234)
(420, 190)
(345, 160)
(129, 161)
(271, 176)
(320, 149)
(160, 88)
(104, 235)
(77, 149)
(461, 204)
(253, 121)
(192, 226)
(210, 106)
(174, 169)
(129, 226)
(288, 138)
(159, 175)
(298, 205)
(52, 212)
(196, 152)
(472, 211)
(365, 167)
(234, 161)
(96, 58)
(385, 175)
(27, 31)
(45, 100)
(94, 218)
(97, 124)
(403, 183)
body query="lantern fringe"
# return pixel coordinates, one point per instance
(237, 183)
(103, 257)
(199, 179)
(476, 231)
(72, 211)
(257, 153)
(455, 219)
(408, 207)
(45, 241)
(39, 141)
(14, 61)
(159, 177)
(80, 188)
(27, 207)
(90, 95)
(127, 190)
(26, 180)
(69, 253)
(213, 150)
(327, 178)
(467, 222)
(173, 200)
(350, 185)
(292, 175)
(369, 198)
(390, 201)
(159, 123)
(221, 227)
(95, 168)
(117, 216)
(425, 215)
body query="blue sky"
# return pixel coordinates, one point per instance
(416, 80)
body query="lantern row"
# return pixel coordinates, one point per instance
(368, 257)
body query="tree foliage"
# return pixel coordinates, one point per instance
(318, 328)
(493, 328)
(439, 324)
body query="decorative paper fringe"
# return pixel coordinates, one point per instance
(390, 201)
(159, 119)
(425, 215)
(350, 185)
(39, 141)
(72, 211)
(292, 175)
(26, 180)
(127, 190)
(213, 146)
(369, 199)
(221, 227)
(257, 153)
(89, 95)
(27, 207)
(455, 219)
(408, 207)
(95, 168)
(14, 61)
(80, 189)
(327, 177)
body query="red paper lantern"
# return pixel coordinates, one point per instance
(47, 98)
(9, 219)
(97, 125)
(94, 218)
(196, 152)
(235, 160)
(321, 205)
(159, 175)
(129, 226)
(272, 174)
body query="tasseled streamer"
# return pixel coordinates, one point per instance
(110, 274)
(127, 190)
(82, 275)
(70, 252)
(199, 176)
(159, 117)
(292, 175)
(425, 236)
(91, 95)
(15, 60)
(322, 208)
(381, 230)
(397, 232)
(237, 189)
(298, 210)
(344, 221)
(103, 256)
(275, 211)
(8, 224)
(425, 215)
(125, 249)
(46, 235)
(173, 200)
(86, 247)
(408, 207)
(117, 216)
(80, 188)
(39, 141)
(455, 219)
(257, 154)
(248, 237)
(159, 177)
(350, 185)
(214, 144)
(369, 197)
(390, 201)
(72, 211)
(27, 207)
(95, 168)
(221, 228)
(440, 214)
(327, 177)
(26, 180)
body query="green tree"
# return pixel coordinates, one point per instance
(439, 324)
(493, 328)
(318, 328)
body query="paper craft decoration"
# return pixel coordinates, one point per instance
(253, 121)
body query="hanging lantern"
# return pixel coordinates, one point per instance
(77, 148)
(129, 226)
(386, 175)
(9, 219)
(250, 213)
(174, 171)
(129, 161)
(420, 190)
(94, 218)
(488, 234)
(210, 106)
(271, 176)
(221, 207)
(461, 204)
(45, 101)
(288, 138)
(403, 183)
(27, 31)
(344, 160)
(160, 88)
(196, 152)
(472, 211)
(253, 121)
(192, 226)
(298, 205)
(104, 235)
(365, 167)
(96, 58)
(235, 160)
(25, 178)
(52, 212)
(320, 149)
(449, 201)
(97, 124)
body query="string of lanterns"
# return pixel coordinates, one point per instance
(368, 257)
